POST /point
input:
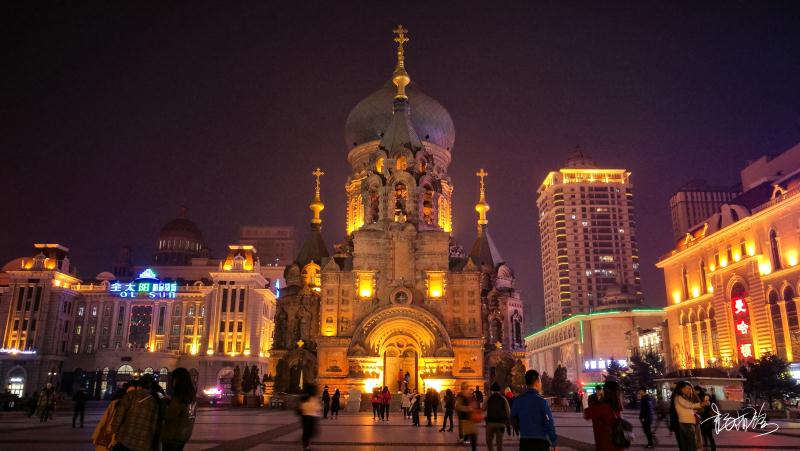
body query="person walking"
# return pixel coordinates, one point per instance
(468, 416)
(179, 414)
(47, 401)
(449, 407)
(326, 402)
(400, 380)
(478, 395)
(510, 429)
(604, 413)
(376, 404)
(684, 408)
(308, 409)
(498, 413)
(386, 399)
(646, 415)
(335, 403)
(406, 380)
(405, 403)
(79, 398)
(136, 419)
(532, 416)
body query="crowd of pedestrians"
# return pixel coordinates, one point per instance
(142, 417)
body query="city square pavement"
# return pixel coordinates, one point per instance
(262, 429)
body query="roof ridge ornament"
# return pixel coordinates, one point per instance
(482, 207)
(316, 205)
(400, 78)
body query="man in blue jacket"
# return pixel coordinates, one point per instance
(646, 414)
(537, 429)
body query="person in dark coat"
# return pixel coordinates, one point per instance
(428, 405)
(326, 402)
(179, 411)
(335, 404)
(646, 415)
(80, 397)
(435, 402)
(415, 409)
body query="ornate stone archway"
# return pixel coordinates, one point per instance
(421, 328)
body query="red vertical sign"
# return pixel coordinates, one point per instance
(741, 328)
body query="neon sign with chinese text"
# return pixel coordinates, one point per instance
(146, 285)
(741, 323)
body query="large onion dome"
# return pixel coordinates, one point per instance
(371, 116)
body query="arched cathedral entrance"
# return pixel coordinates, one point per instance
(400, 356)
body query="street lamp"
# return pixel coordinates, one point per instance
(51, 374)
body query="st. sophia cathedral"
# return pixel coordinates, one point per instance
(399, 294)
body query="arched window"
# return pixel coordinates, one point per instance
(703, 282)
(792, 320)
(695, 340)
(777, 323)
(706, 348)
(712, 322)
(774, 251)
(685, 282)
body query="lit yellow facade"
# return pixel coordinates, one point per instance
(754, 258)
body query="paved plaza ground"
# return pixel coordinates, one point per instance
(262, 429)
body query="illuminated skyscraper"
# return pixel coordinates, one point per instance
(588, 238)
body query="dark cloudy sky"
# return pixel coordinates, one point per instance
(112, 114)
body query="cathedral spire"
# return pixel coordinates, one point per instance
(316, 205)
(400, 77)
(482, 207)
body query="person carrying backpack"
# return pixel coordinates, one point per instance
(498, 413)
(179, 414)
(136, 419)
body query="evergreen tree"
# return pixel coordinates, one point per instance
(644, 369)
(236, 382)
(254, 380)
(247, 381)
(614, 371)
(768, 379)
(547, 383)
(561, 386)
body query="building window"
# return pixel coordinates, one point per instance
(76, 348)
(685, 282)
(703, 281)
(224, 304)
(777, 323)
(792, 319)
(774, 250)
(80, 311)
(190, 311)
(230, 326)
(222, 326)
(239, 326)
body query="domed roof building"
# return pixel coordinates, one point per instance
(179, 241)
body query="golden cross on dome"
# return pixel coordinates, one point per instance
(300, 343)
(318, 173)
(401, 35)
(482, 174)
(400, 77)
(498, 344)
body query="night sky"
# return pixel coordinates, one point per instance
(114, 114)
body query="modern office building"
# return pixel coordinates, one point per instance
(276, 244)
(695, 202)
(588, 237)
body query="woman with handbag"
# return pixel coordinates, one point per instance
(179, 414)
(606, 415)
